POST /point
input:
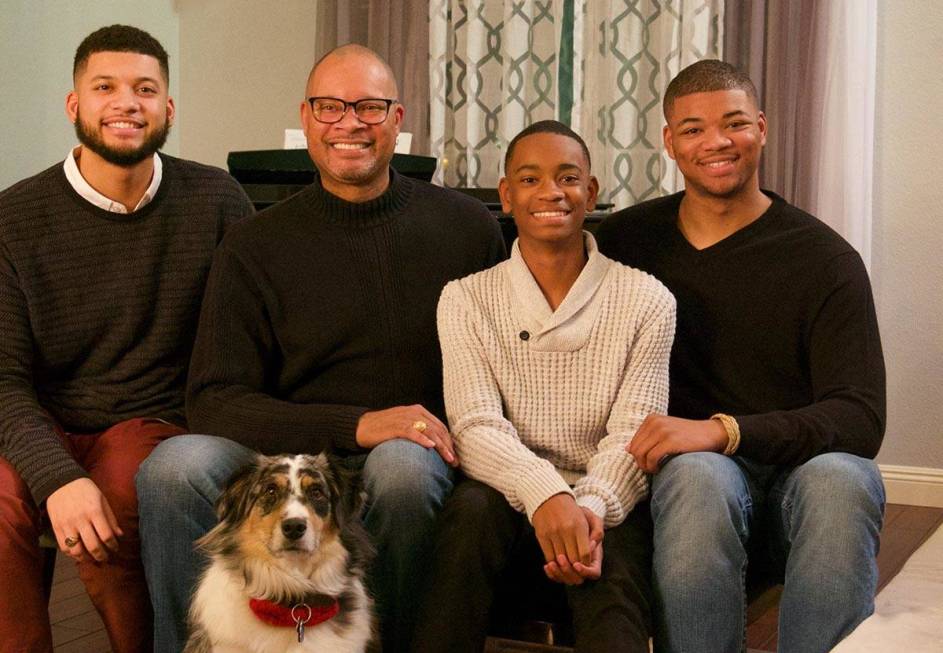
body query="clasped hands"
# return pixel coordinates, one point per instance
(570, 537)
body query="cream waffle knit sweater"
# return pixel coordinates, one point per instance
(542, 402)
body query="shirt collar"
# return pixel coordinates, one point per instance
(83, 188)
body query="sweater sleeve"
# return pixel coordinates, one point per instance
(846, 366)
(488, 445)
(613, 483)
(28, 439)
(233, 360)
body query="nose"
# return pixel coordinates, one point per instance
(350, 118)
(550, 190)
(125, 99)
(716, 139)
(294, 528)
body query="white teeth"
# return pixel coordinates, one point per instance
(349, 146)
(717, 164)
(122, 125)
(549, 214)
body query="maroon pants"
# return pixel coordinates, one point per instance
(116, 587)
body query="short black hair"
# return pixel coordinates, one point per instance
(546, 127)
(705, 76)
(120, 38)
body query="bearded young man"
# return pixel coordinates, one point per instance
(318, 331)
(777, 401)
(103, 259)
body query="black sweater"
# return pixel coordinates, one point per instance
(318, 310)
(776, 326)
(98, 309)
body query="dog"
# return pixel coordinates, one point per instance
(287, 563)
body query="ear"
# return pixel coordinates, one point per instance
(504, 191)
(233, 503)
(347, 486)
(593, 193)
(171, 110)
(398, 111)
(669, 144)
(304, 112)
(72, 106)
(761, 124)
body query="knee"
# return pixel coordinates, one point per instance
(705, 482)
(402, 475)
(837, 487)
(188, 465)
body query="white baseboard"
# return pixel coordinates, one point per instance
(913, 486)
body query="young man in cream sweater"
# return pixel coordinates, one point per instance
(551, 360)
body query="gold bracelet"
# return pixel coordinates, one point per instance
(733, 432)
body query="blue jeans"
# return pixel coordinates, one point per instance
(178, 484)
(821, 522)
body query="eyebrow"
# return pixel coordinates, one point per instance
(137, 80)
(729, 114)
(534, 166)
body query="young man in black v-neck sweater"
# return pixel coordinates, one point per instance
(777, 399)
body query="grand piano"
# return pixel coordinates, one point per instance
(270, 176)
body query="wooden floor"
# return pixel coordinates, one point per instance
(76, 627)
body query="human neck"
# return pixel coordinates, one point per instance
(705, 220)
(123, 184)
(555, 268)
(355, 193)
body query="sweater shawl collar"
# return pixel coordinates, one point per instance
(379, 210)
(568, 328)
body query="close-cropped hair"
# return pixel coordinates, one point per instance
(706, 76)
(546, 127)
(120, 38)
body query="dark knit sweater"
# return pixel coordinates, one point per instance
(318, 310)
(776, 326)
(98, 309)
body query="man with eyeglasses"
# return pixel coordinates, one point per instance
(318, 332)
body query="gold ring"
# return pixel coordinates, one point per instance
(71, 541)
(420, 426)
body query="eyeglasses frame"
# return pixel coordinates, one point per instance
(351, 105)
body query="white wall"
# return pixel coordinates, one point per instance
(245, 67)
(38, 39)
(907, 272)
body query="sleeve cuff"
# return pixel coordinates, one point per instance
(539, 484)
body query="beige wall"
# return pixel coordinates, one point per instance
(907, 261)
(246, 63)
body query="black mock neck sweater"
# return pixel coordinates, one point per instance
(776, 326)
(318, 310)
(98, 310)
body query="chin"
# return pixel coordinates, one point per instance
(289, 547)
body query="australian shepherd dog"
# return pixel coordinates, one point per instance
(287, 563)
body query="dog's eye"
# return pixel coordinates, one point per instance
(270, 490)
(315, 493)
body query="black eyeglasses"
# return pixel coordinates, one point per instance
(371, 111)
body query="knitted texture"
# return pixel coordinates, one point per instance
(98, 310)
(776, 327)
(539, 400)
(318, 310)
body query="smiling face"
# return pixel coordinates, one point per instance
(352, 157)
(120, 107)
(548, 189)
(716, 138)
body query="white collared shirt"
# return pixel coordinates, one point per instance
(83, 188)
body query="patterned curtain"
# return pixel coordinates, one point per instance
(498, 65)
(631, 50)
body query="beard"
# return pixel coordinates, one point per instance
(93, 140)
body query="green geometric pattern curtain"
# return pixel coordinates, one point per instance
(601, 66)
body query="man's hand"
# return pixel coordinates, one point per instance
(661, 436)
(401, 422)
(79, 510)
(562, 571)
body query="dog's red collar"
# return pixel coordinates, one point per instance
(276, 614)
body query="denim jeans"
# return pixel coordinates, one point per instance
(821, 522)
(177, 486)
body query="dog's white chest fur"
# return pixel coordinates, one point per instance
(233, 628)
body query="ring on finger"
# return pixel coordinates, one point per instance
(71, 541)
(420, 426)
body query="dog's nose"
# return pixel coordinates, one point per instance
(294, 528)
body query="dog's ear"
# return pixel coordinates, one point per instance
(347, 486)
(235, 499)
